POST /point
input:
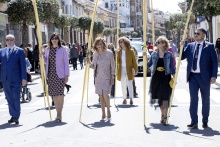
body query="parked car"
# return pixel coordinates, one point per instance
(139, 47)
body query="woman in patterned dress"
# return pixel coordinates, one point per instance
(104, 70)
(57, 70)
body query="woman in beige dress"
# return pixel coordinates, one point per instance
(104, 70)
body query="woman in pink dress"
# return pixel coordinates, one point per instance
(104, 69)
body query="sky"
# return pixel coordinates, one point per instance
(167, 5)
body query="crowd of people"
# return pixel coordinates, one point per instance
(201, 69)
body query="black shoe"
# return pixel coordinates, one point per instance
(192, 126)
(10, 120)
(68, 88)
(205, 125)
(52, 103)
(16, 121)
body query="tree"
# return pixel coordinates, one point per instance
(98, 27)
(157, 32)
(2, 1)
(73, 22)
(149, 35)
(176, 24)
(107, 32)
(84, 23)
(61, 22)
(134, 34)
(21, 12)
(207, 8)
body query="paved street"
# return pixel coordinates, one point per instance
(126, 127)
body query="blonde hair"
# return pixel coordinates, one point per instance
(126, 42)
(97, 40)
(164, 40)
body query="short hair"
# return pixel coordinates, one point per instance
(202, 30)
(165, 40)
(97, 40)
(126, 42)
(10, 35)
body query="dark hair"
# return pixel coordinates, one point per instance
(203, 30)
(55, 35)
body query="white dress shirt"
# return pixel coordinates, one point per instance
(199, 55)
(123, 58)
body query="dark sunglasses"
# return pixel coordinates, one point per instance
(159, 42)
(54, 38)
(9, 40)
(196, 33)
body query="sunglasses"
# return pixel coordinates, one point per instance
(196, 33)
(9, 40)
(159, 42)
(54, 38)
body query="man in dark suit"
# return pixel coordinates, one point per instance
(202, 71)
(13, 75)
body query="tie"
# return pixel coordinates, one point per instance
(9, 52)
(196, 54)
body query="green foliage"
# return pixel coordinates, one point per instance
(74, 21)
(107, 32)
(62, 21)
(123, 34)
(149, 35)
(85, 22)
(2, 1)
(157, 32)
(206, 8)
(98, 26)
(134, 34)
(49, 10)
(22, 11)
(115, 31)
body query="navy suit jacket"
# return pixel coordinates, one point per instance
(14, 68)
(208, 61)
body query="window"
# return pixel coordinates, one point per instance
(106, 5)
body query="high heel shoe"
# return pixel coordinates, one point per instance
(103, 117)
(68, 87)
(165, 121)
(58, 119)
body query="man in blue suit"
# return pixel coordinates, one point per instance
(202, 71)
(13, 75)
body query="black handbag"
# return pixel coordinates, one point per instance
(29, 79)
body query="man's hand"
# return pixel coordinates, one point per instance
(213, 80)
(24, 82)
(66, 79)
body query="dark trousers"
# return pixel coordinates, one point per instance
(81, 64)
(74, 61)
(12, 94)
(36, 66)
(195, 84)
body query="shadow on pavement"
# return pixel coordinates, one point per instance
(94, 106)
(161, 127)
(205, 132)
(125, 106)
(32, 83)
(51, 108)
(8, 125)
(147, 129)
(101, 124)
(46, 125)
(85, 125)
(51, 124)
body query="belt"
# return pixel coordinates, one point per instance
(160, 69)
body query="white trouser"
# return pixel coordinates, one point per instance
(126, 83)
